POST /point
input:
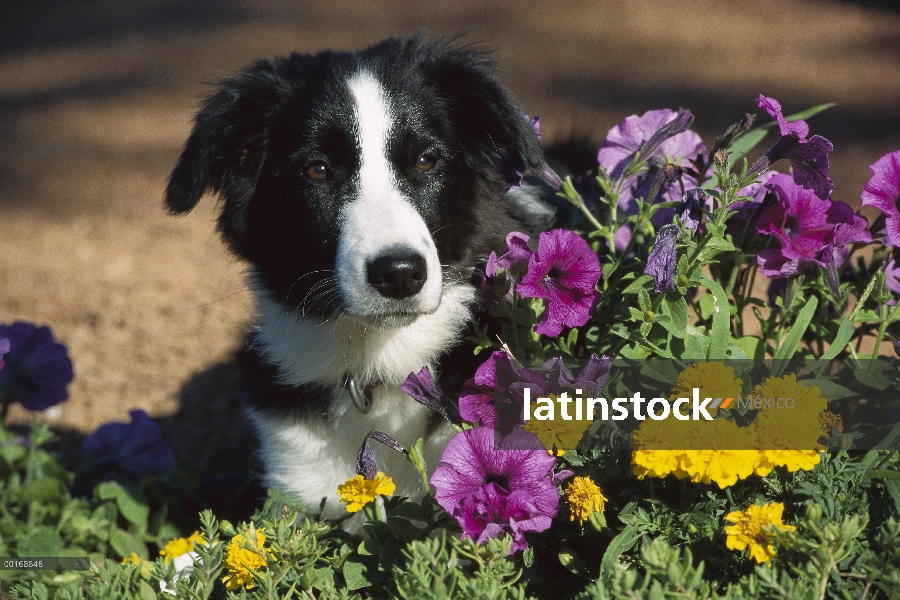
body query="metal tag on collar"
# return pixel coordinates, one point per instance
(362, 398)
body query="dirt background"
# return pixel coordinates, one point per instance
(97, 96)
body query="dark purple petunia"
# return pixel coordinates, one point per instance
(4, 349)
(424, 390)
(656, 134)
(37, 369)
(365, 460)
(494, 382)
(808, 229)
(690, 211)
(491, 491)
(663, 259)
(809, 157)
(883, 192)
(565, 272)
(590, 380)
(128, 451)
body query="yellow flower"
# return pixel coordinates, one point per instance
(714, 380)
(585, 498)
(134, 558)
(242, 557)
(179, 546)
(557, 433)
(359, 491)
(757, 528)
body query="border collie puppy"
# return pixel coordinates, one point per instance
(362, 189)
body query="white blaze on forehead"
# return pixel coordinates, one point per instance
(374, 123)
(380, 218)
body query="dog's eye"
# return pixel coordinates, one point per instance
(317, 171)
(426, 163)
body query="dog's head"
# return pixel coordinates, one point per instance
(359, 182)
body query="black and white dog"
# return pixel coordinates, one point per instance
(362, 188)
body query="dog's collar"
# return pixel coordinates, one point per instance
(361, 395)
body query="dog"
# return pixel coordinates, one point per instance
(362, 188)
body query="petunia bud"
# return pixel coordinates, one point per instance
(663, 259)
(737, 130)
(365, 462)
(690, 211)
(721, 159)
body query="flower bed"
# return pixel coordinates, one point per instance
(659, 277)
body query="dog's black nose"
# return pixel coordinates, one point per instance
(398, 275)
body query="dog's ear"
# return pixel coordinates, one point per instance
(489, 122)
(228, 144)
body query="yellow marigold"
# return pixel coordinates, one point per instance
(359, 491)
(757, 528)
(178, 546)
(134, 558)
(829, 420)
(585, 498)
(557, 433)
(714, 380)
(242, 557)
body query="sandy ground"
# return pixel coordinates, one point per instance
(96, 99)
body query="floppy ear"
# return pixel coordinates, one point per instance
(491, 125)
(228, 144)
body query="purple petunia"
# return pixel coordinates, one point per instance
(4, 349)
(663, 259)
(892, 275)
(517, 252)
(883, 192)
(423, 389)
(656, 134)
(492, 491)
(565, 272)
(37, 368)
(495, 380)
(809, 229)
(128, 451)
(809, 157)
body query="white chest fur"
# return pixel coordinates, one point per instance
(309, 455)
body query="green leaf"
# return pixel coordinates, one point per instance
(403, 529)
(133, 505)
(125, 543)
(695, 347)
(707, 304)
(41, 541)
(362, 572)
(893, 488)
(866, 316)
(675, 306)
(883, 474)
(573, 563)
(644, 282)
(752, 346)
(844, 333)
(721, 321)
(795, 335)
(47, 490)
(746, 143)
(623, 542)
(872, 380)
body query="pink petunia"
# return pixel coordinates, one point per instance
(883, 192)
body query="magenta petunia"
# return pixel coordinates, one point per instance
(808, 156)
(808, 229)
(565, 272)
(658, 134)
(892, 275)
(422, 388)
(883, 192)
(493, 491)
